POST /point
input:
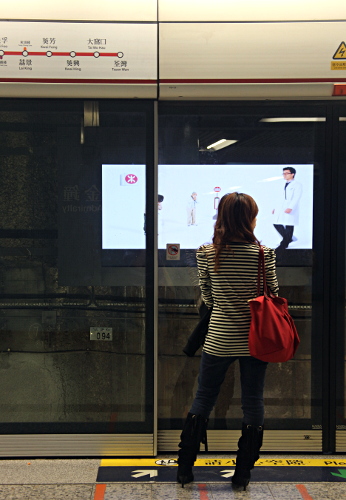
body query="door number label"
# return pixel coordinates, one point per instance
(100, 333)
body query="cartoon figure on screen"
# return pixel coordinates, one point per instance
(286, 216)
(191, 210)
(216, 201)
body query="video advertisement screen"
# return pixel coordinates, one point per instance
(188, 197)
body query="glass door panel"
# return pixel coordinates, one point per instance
(205, 152)
(76, 341)
(339, 348)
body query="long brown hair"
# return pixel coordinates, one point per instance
(236, 213)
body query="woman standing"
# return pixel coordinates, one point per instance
(227, 271)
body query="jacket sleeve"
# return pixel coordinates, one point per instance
(270, 266)
(204, 277)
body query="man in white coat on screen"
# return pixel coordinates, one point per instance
(286, 216)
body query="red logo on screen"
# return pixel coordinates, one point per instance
(131, 179)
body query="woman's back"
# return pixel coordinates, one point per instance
(228, 291)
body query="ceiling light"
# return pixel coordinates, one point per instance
(222, 143)
(291, 119)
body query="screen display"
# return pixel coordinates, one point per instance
(123, 207)
(188, 198)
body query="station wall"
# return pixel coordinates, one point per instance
(194, 49)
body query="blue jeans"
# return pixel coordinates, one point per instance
(212, 373)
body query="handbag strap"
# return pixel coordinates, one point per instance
(261, 271)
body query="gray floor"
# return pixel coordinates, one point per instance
(67, 479)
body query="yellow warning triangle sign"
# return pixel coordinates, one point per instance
(341, 52)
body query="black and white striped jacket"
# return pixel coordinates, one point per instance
(228, 292)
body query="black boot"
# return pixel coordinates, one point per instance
(248, 452)
(194, 433)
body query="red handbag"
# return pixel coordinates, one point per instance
(273, 335)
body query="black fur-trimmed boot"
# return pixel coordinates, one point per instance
(249, 445)
(193, 434)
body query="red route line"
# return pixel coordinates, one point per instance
(254, 80)
(107, 54)
(203, 492)
(79, 54)
(304, 492)
(100, 491)
(75, 80)
(154, 82)
(65, 54)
